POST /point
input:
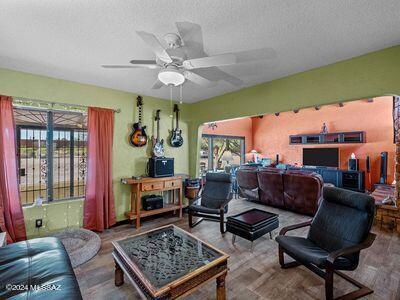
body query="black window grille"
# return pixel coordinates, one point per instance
(51, 149)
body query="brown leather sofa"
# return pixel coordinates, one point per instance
(292, 190)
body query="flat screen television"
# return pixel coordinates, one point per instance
(321, 157)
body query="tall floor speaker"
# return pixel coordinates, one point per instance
(384, 162)
(368, 169)
(368, 164)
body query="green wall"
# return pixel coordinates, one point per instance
(373, 74)
(127, 161)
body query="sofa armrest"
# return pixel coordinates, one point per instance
(295, 226)
(353, 249)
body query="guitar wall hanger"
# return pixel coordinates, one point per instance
(138, 137)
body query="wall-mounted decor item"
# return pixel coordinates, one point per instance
(176, 139)
(158, 143)
(212, 125)
(324, 128)
(138, 137)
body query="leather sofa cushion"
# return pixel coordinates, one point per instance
(41, 262)
(271, 188)
(249, 194)
(270, 169)
(302, 192)
(306, 251)
(247, 183)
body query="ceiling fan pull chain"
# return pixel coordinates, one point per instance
(181, 92)
(170, 97)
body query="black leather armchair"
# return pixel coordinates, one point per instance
(338, 232)
(213, 202)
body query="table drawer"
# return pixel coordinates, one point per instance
(152, 186)
(172, 183)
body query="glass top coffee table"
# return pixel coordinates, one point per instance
(168, 262)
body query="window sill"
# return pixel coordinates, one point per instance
(54, 202)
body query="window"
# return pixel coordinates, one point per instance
(218, 151)
(51, 150)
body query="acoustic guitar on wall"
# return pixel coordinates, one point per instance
(158, 143)
(176, 139)
(138, 137)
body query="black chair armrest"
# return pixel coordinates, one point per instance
(295, 226)
(196, 200)
(225, 203)
(350, 250)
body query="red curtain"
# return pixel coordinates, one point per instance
(11, 215)
(99, 207)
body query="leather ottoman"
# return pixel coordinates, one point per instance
(252, 224)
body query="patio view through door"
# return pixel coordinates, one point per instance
(219, 151)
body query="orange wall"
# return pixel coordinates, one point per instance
(235, 127)
(271, 133)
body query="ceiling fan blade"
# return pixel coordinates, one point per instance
(155, 45)
(215, 74)
(192, 37)
(158, 84)
(198, 79)
(255, 55)
(210, 61)
(122, 66)
(151, 64)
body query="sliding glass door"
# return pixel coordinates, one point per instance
(217, 152)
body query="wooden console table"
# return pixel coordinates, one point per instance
(149, 184)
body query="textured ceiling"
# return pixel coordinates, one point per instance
(71, 39)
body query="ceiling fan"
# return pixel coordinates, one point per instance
(184, 58)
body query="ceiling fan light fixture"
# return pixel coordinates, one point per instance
(171, 76)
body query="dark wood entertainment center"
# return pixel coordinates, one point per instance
(351, 180)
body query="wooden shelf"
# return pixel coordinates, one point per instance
(145, 213)
(354, 137)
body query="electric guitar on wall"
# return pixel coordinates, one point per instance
(158, 144)
(138, 137)
(176, 139)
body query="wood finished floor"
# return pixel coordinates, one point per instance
(254, 275)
